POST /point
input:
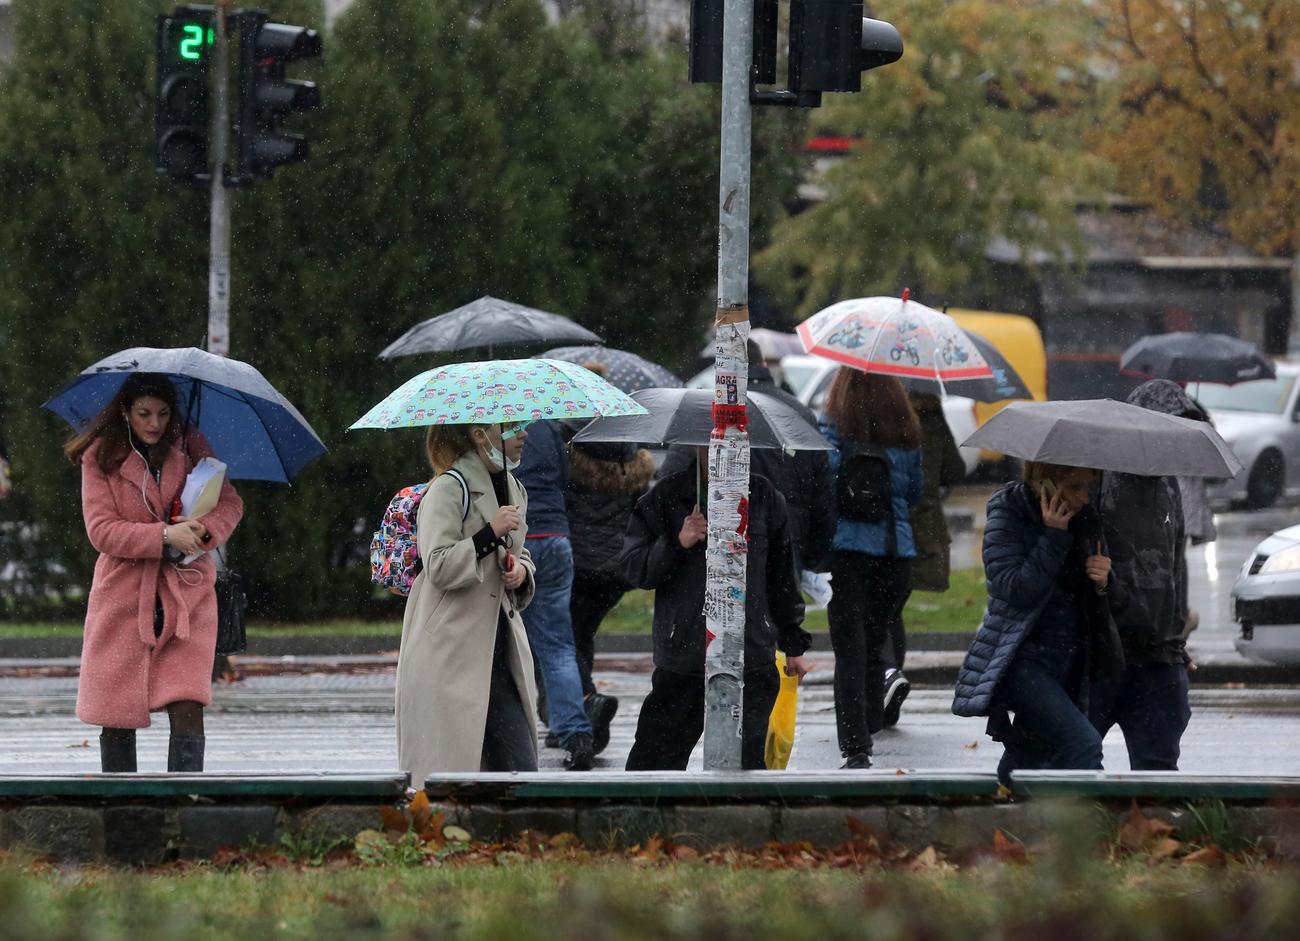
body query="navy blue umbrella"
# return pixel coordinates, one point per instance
(251, 427)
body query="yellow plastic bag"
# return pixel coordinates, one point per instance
(780, 725)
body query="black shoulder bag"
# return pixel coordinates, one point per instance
(232, 604)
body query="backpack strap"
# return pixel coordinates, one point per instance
(464, 492)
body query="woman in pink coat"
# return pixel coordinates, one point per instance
(151, 619)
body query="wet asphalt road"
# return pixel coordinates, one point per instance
(343, 722)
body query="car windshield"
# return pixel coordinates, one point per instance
(1265, 396)
(797, 374)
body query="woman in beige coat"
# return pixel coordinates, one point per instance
(465, 690)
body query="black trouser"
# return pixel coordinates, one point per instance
(509, 740)
(868, 594)
(672, 720)
(594, 596)
(1150, 704)
(894, 648)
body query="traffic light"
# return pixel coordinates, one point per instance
(832, 44)
(706, 41)
(183, 50)
(266, 96)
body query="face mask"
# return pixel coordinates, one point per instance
(495, 459)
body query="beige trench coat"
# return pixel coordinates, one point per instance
(444, 668)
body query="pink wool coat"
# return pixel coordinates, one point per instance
(126, 672)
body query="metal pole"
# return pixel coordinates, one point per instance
(724, 597)
(219, 252)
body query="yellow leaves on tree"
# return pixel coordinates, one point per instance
(1205, 121)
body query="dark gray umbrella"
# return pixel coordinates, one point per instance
(1107, 435)
(489, 322)
(1196, 357)
(626, 371)
(1005, 383)
(685, 416)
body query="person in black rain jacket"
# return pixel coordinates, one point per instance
(663, 550)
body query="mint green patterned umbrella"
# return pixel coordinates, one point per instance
(503, 390)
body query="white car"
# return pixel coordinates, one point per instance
(1260, 420)
(1266, 600)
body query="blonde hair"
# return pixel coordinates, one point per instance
(445, 444)
(1036, 472)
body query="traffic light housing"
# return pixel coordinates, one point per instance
(183, 52)
(266, 97)
(832, 44)
(706, 41)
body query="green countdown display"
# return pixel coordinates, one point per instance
(191, 41)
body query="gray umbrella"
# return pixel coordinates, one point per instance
(685, 416)
(487, 322)
(1107, 435)
(626, 371)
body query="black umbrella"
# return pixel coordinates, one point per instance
(685, 416)
(626, 371)
(1107, 435)
(488, 322)
(1005, 383)
(1196, 357)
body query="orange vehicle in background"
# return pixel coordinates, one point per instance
(1018, 339)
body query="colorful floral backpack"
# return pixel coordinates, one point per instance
(394, 555)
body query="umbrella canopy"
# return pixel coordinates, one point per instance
(1196, 357)
(505, 390)
(894, 336)
(1107, 435)
(1005, 383)
(252, 428)
(626, 371)
(488, 322)
(685, 416)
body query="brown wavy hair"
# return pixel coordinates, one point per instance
(111, 424)
(445, 444)
(872, 409)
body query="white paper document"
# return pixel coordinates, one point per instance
(202, 491)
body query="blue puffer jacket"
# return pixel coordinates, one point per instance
(906, 479)
(1023, 560)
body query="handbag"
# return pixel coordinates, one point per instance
(232, 604)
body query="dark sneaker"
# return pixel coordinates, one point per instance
(581, 752)
(600, 710)
(896, 689)
(857, 762)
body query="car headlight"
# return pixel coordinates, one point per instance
(1288, 560)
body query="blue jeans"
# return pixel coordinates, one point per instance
(1150, 706)
(1049, 730)
(550, 634)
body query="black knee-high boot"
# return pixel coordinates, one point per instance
(185, 753)
(117, 750)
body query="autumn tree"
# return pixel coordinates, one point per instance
(973, 134)
(1205, 114)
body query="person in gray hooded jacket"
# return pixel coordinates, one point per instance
(1146, 534)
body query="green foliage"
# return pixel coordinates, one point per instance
(623, 900)
(477, 149)
(972, 135)
(312, 848)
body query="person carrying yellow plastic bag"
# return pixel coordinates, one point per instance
(780, 725)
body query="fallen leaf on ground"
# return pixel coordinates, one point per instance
(85, 743)
(1206, 856)
(456, 834)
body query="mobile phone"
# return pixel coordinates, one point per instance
(1049, 487)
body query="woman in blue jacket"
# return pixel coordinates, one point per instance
(869, 421)
(1048, 626)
